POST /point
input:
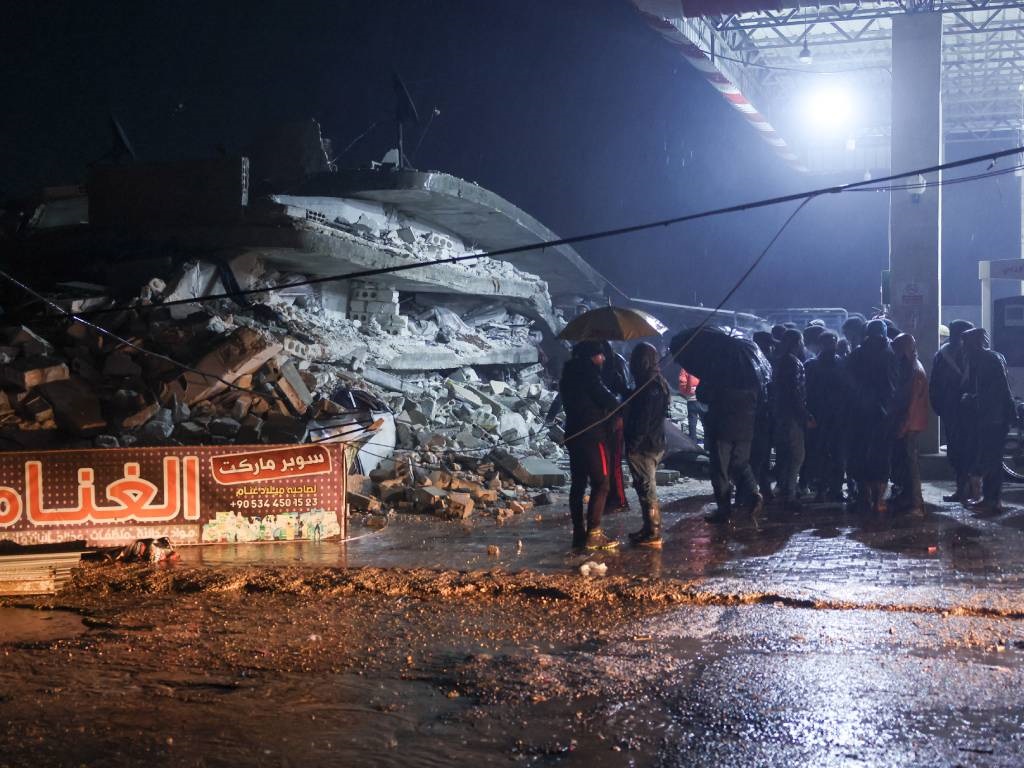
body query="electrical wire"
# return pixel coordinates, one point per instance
(588, 237)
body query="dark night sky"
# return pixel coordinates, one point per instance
(572, 109)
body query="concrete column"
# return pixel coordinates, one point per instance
(915, 223)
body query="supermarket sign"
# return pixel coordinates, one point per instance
(193, 495)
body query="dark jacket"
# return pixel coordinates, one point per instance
(615, 375)
(947, 381)
(645, 419)
(789, 390)
(872, 368)
(827, 389)
(988, 394)
(585, 397)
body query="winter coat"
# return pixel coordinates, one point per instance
(789, 390)
(827, 389)
(615, 375)
(645, 418)
(585, 397)
(988, 398)
(948, 380)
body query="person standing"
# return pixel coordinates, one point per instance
(872, 369)
(989, 402)
(688, 391)
(615, 374)
(789, 411)
(912, 420)
(645, 438)
(946, 388)
(587, 402)
(827, 397)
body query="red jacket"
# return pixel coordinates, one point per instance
(688, 384)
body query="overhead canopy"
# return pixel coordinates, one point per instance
(833, 113)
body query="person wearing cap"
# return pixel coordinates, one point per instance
(912, 420)
(872, 370)
(945, 389)
(989, 402)
(645, 438)
(588, 403)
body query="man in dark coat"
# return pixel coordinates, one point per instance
(645, 438)
(827, 399)
(588, 402)
(789, 412)
(733, 384)
(945, 389)
(615, 375)
(989, 401)
(872, 369)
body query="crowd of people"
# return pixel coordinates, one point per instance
(840, 414)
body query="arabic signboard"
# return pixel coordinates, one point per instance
(193, 495)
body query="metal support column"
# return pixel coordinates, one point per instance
(915, 224)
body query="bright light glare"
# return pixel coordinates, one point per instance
(828, 108)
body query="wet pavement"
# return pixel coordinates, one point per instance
(950, 558)
(815, 639)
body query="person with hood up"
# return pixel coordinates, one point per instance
(789, 411)
(989, 402)
(947, 386)
(872, 370)
(645, 438)
(587, 402)
(912, 420)
(615, 375)
(827, 398)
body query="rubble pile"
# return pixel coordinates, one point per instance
(271, 369)
(455, 487)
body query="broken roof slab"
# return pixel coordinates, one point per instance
(480, 217)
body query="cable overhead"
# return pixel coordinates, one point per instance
(588, 237)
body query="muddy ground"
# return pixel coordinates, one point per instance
(286, 666)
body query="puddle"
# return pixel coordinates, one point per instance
(27, 625)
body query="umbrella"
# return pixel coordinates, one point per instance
(612, 324)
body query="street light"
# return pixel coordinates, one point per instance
(828, 109)
(805, 54)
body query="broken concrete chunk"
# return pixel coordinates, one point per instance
(244, 351)
(531, 471)
(459, 507)
(428, 499)
(75, 406)
(292, 389)
(224, 426)
(121, 365)
(251, 430)
(106, 441)
(279, 428)
(666, 477)
(464, 393)
(190, 432)
(140, 417)
(36, 408)
(27, 372)
(31, 343)
(361, 502)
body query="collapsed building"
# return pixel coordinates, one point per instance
(222, 265)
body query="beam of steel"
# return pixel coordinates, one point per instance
(679, 36)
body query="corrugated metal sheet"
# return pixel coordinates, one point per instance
(36, 574)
